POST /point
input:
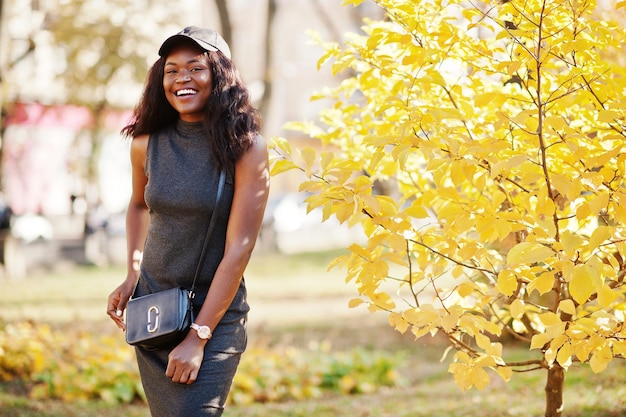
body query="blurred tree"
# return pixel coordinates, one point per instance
(268, 73)
(107, 48)
(226, 30)
(502, 125)
(226, 26)
(6, 64)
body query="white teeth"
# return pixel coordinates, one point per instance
(185, 92)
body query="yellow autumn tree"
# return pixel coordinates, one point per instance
(497, 129)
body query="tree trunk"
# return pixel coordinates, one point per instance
(336, 34)
(268, 74)
(227, 28)
(554, 391)
(96, 146)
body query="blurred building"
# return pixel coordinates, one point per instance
(45, 139)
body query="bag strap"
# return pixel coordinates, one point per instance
(220, 190)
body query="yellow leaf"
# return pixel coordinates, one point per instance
(507, 282)
(314, 186)
(398, 322)
(504, 167)
(282, 165)
(545, 207)
(556, 123)
(457, 172)
(599, 203)
(360, 251)
(479, 378)
(280, 143)
(322, 60)
(460, 372)
(482, 341)
(571, 242)
(325, 160)
(575, 189)
(601, 234)
(383, 300)
(417, 210)
(410, 59)
(466, 289)
(567, 306)
(468, 373)
(463, 357)
(556, 332)
(458, 271)
(550, 319)
(562, 183)
(619, 347)
(481, 100)
(582, 350)
(608, 116)
(607, 296)
(510, 67)
(448, 322)
(583, 211)
(308, 156)
(581, 286)
(343, 212)
(564, 357)
(539, 340)
(528, 253)
(600, 359)
(517, 308)
(505, 372)
(355, 302)
(485, 361)
(543, 283)
(426, 315)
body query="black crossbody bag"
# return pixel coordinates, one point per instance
(162, 319)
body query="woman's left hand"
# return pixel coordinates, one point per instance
(184, 360)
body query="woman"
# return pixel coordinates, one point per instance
(193, 120)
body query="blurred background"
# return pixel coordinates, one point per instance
(71, 72)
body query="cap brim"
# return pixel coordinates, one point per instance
(177, 39)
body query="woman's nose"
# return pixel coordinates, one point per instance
(183, 78)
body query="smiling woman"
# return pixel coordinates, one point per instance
(193, 123)
(187, 81)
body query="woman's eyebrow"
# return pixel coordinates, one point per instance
(191, 61)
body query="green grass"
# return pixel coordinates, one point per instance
(296, 302)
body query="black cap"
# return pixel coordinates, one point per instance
(207, 39)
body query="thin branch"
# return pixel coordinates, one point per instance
(472, 267)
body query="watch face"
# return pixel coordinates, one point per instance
(204, 332)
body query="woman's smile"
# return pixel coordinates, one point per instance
(186, 92)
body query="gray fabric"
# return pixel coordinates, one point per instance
(180, 194)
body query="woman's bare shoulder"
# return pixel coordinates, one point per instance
(140, 141)
(259, 145)
(138, 148)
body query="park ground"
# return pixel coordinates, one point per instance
(297, 302)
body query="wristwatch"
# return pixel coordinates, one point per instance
(204, 332)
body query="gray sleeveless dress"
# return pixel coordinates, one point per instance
(180, 194)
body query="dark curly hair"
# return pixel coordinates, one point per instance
(230, 120)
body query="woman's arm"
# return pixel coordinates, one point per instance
(244, 223)
(246, 215)
(137, 220)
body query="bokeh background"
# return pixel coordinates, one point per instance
(72, 70)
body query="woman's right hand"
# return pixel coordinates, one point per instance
(118, 300)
